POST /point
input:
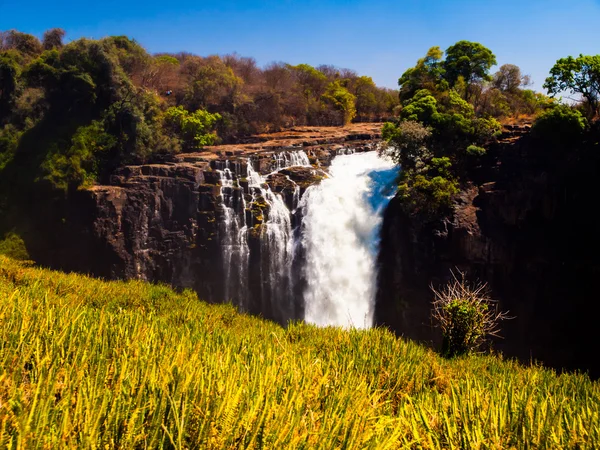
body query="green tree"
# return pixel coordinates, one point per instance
(421, 107)
(10, 71)
(212, 85)
(579, 76)
(406, 143)
(365, 91)
(471, 60)
(195, 129)
(342, 100)
(560, 127)
(311, 81)
(425, 75)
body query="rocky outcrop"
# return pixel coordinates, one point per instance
(527, 234)
(170, 222)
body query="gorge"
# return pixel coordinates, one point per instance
(288, 230)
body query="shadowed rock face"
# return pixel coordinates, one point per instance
(165, 222)
(524, 233)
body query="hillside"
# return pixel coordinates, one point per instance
(94, 364)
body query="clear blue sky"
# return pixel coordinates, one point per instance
(379, 38)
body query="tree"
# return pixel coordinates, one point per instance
(471, 60)
(211, 85)
(24, 43)
(342, 100)
(509, 78)
(311, 81)
(195, 129)
(406, 143)
(53, 38)
(559, 127)
(365, 91)
(9, 82)
(422, 106)
(579, 76)
(425, 75)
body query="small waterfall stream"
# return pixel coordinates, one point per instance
(328, 262)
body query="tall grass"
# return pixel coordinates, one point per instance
(92, 364)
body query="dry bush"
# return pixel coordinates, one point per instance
(466, 315)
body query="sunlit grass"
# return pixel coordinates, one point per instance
(92, 364)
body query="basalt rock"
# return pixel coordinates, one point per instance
(165, 222)
(527, 234)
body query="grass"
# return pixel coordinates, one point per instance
(91, 364)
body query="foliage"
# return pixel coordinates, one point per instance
(469, 60)
(53, 38)
(9, 139)
(421, 107)
(509, 78)
(13, 246)
(342, 100)
(428, 196)
(195, 129)
(425, 75)
(466, 316)
(26, 44)
(10, 71)
(79, 165)
(453, 99)
(87, 363)
(579, 76)
(561, 126)
(407, 143)
(475, 152)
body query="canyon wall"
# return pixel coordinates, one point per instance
(180, 222)
(528, 234)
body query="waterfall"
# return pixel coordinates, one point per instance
(275, 234)
(332, 252)
(232, 230)
(342, 217)
(289, 159)
(276, 243)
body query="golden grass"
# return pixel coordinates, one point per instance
(91, 364)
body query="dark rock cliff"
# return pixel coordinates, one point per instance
(528, 234)
(165, 222)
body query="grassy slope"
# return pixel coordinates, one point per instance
(93, 364)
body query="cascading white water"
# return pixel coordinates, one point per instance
(289, 159)
(342, 217)
(340, 221)
(275, 234)
(276, 239)
(232, 229)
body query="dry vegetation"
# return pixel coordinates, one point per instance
(93, 364)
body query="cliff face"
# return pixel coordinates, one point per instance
(179, 222)
(527, 234)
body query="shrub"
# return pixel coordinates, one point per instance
(466, 316)
(473, 151)
(559, 127)
(195, 127)
(428, 197)
(13, 246)
(406, 142)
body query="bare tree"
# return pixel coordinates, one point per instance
(53, 38)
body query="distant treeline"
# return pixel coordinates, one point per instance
(70, 113)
